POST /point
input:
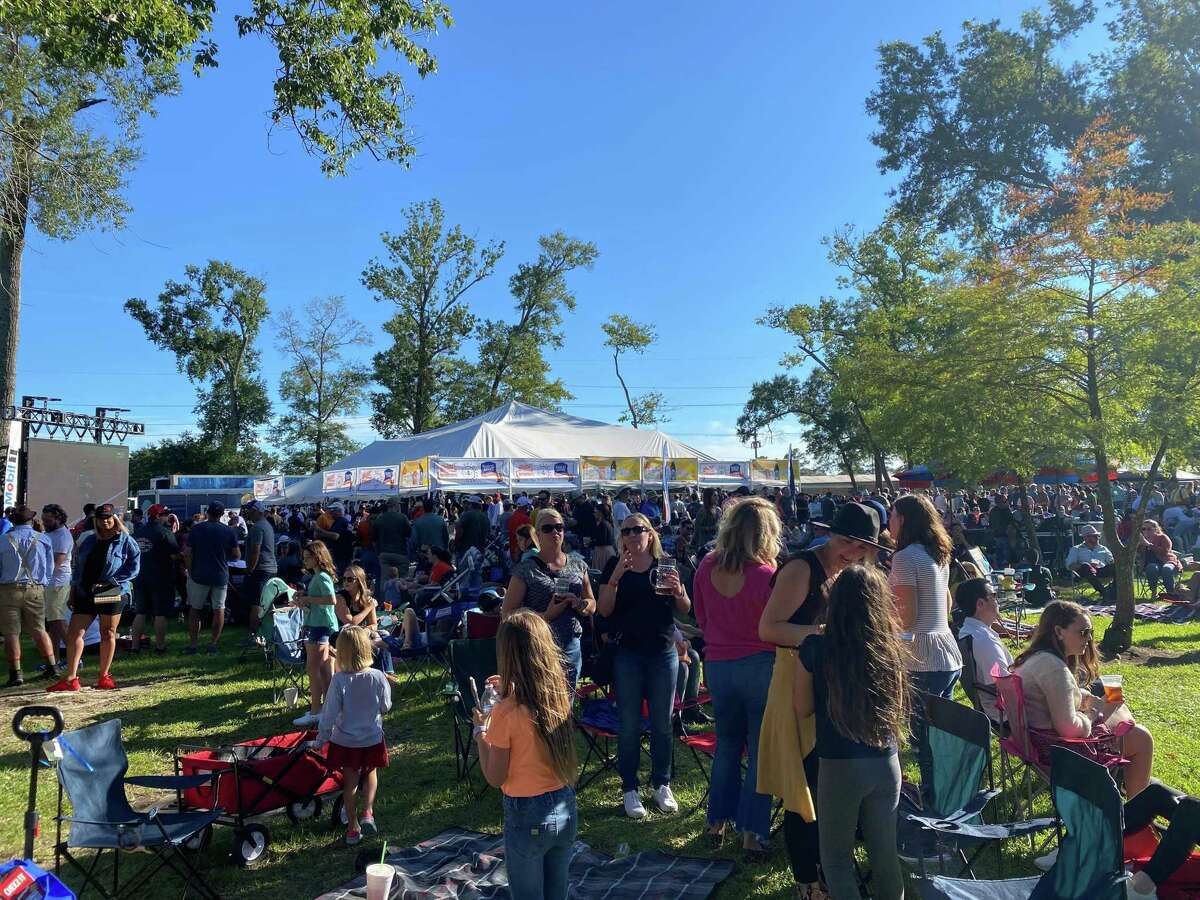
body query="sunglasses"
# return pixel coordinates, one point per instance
(1085, 633)
(549, 529)
(636, 529)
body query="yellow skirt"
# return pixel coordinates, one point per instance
(785, 740)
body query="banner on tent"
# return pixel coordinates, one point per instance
(268, 488)
(611, 469)
(769, 471)
(414, 473)
(724, 471)
(452, 473)
(338, 481)
(679, 469)
(377, 479)
(544, 472)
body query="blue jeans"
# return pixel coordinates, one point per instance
(637, 677)
(539, 833)
(572, 662)
(1156, 570)
(940, 684)
(739, 693)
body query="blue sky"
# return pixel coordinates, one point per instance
(705, 151)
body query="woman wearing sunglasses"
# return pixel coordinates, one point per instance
(556, 587)
(1062, 656)
(641, 609)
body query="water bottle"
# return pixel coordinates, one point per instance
(488, 700)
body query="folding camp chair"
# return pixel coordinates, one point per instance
(284, 653)
(960, 743)
(92, 774)
(442, 624)
(969, 681)
(468, 659)
(1024, 750)
(481, 626)
(1089, 865)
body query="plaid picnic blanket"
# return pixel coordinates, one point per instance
(1173, 613)
(467, 865)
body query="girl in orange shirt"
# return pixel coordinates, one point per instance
(527, 749)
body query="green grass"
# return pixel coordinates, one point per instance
(176, 699)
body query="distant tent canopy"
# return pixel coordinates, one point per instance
(511, 431)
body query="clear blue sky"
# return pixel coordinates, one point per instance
(705, 151)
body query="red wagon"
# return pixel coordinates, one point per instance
(257, 778)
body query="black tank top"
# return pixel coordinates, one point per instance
(812, 610)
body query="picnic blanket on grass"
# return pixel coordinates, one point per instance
(468, 865)
(1173, 613)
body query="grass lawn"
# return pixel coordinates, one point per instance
(212, 700)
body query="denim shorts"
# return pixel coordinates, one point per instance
(317, 634)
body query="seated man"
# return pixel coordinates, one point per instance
(1091, 560)
(975, 604)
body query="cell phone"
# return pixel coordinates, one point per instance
(475, 692)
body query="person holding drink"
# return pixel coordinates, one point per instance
(640, 593)
(555, 586)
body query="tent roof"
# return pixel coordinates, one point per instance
(512, 430)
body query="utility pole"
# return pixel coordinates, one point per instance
(755, 443)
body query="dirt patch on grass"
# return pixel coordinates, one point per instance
(1153, 656)
(77, 708)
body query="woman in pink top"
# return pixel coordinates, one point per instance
(731, 588)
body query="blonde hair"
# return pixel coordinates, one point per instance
(656, 549)
(748, 533)
(530, 668)
(319, 552)
(545, 514)
(356, 572)
(353, 649)
(527, 532)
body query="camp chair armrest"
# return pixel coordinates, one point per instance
(957, 828)
(976, 804)
(170, 782)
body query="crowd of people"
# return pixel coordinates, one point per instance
(816, 623)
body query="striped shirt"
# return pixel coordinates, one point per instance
(933, 646)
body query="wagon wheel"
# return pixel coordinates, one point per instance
(250, 844)
(302, 810)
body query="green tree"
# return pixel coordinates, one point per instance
(429, 270)
(623, 335)
(512, 364)
(1004, 106)
(64, 172)
(320, 385)
(209, 323)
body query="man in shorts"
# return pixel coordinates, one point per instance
(58, 591)
(210, 547)
(261, 565)
(26, 563)
(154, 587)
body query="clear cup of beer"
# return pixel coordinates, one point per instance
(1112, 688)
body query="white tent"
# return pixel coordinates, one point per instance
(513, 430)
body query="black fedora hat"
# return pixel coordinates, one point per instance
(856, 521)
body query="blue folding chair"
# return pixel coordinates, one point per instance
(92, 775)
(1090, 863)
(284, 652)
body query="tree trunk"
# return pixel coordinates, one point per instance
(14, 216)
(629, 402)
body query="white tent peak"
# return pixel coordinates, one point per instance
(512, 430)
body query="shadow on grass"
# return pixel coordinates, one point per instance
(1183, 659)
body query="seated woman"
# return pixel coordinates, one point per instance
(440, 571)
(1161, 561)
(977, 612)
(1061, 656)
(356, 606)
(434, 567)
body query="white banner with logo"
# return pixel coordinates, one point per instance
(724, 473)
(268, 488)
(461, 474)
(544, 474)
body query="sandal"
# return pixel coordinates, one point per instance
(758, 853)
(715, 838)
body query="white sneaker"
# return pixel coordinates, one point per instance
(633, 805)
(307, 719)
(1046, 863)
(665, 800)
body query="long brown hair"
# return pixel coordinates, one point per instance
(1062, 614)
(356, 605)
(922, 524)
(864, 661)
(320, 553)
(531, 668)
(748, 533)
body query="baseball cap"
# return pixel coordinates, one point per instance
(156, 510)
(523, 501)
(216, 508)
(251, 504)
(19, 515)
(104, 509)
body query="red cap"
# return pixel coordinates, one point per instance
(156, 510)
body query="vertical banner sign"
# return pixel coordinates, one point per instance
(665, 472)
(12, 464)
(377, 479)
(414, 473)
(464, 473)
(676, 471)
(611, 469)
(717, 472)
